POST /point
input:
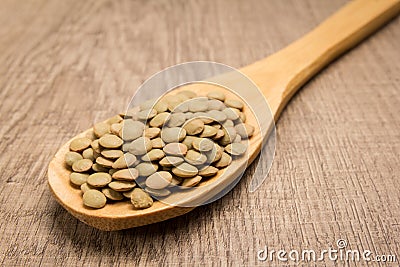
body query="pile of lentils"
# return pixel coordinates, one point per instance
(141, 155)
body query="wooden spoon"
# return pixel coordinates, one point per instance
(278, 76)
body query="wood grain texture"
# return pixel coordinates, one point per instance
(336, 170)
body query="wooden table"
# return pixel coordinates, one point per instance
(67, 64)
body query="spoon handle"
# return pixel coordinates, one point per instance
(283, 73)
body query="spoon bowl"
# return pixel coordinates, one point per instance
(121, 215)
